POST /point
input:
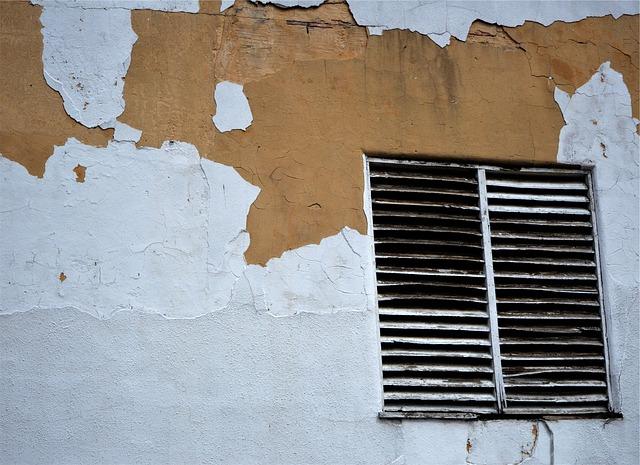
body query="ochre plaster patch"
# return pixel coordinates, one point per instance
(313, 118)
(32, 118)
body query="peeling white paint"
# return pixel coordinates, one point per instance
(86, 55)
(187, 6)
(125, 133)
(443, 19)
(224, 4)
(151, 230)
(157, 231)
(601, 131)
(330, 277)
(232, 107)
(87, 50)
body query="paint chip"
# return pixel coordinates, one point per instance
(80, 171)
(232, 107)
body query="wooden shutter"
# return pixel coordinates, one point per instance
(488, 290)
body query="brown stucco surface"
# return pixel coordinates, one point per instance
(322, 93)
(32, 117)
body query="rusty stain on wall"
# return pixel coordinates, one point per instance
(32, 117)
(322, 92)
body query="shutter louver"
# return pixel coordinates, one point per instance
(546, 280)
(488, 290)
(434, 329)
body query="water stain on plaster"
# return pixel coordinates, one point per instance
(32, 119)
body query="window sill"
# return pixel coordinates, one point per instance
(398, 415)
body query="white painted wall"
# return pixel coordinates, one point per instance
(203, 359)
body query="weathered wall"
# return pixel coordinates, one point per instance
(196, 293)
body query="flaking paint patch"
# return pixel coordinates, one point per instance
(32, 117)
(151, 230)
(188, 6)
(86, 56)
(125, 133)
(232, 107)
(332, 276)
(599, 115)
(442, 19)
(157, 231)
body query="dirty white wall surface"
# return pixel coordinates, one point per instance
(162, 346)
(443, 19)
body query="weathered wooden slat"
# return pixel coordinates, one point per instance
(550, 330)
(402, 367)
(544, 247)
(438, 396)
(547, 315)
(427, 242)
(546, 275)
(539, 197)
(511, 397)
(515, 372)
(547, 261)
(558, 410)
(430, 271)
(425, 228)
(420, 203)
(551, 340)
(428, 256)
(438, 382)
(538, 210)
(457, 298)
(536, 184)
(436, 341)
(541, 222)
(541, 236)
(545, 301)
(408, 281)
(544, 383)
(433, 313)
(386, 174)
(546, 288)
(434, 326)
(454, 353)
(564, 357)
(424, 190)
(406, 214)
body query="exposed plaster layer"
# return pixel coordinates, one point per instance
(443, 19)
(571, 58)
(232, 107)
(601, 131)
(32, 118)
(151, 230)
(86, 56)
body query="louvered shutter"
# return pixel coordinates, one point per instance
(488, 290)
(547, 292)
